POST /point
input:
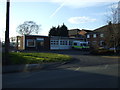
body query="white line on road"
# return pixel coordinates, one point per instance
(106, 66)
(77, 69)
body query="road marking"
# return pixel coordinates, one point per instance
(77, 69)
(111, 56)
(106, 66)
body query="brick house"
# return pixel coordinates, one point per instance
(77, 33)
(95, 39)
(99, 36)
(73, 33)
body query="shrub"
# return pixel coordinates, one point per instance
(101, 51)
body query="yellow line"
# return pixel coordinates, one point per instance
(111, 56)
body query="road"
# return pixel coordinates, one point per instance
(83, 58)
(86, 71)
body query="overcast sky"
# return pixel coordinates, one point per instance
(81, 14)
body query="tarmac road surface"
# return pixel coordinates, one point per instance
(87, 71)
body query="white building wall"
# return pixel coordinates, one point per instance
(56, 44)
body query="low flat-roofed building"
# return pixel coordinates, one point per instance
(33, 42)
(37, 42)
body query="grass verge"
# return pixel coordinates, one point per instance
(36, 58)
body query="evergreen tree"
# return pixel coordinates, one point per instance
(53, 31)
(59, 31)
(64, 31)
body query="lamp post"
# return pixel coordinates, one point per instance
(7, 33)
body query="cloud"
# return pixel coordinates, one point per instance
(78, 20)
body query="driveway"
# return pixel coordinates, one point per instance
(84, 58)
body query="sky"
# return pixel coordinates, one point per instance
(81, 14)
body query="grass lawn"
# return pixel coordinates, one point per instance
(34, 58)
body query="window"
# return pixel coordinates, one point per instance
(75, 44)
(94, 42)
(30, 43)
(88, 36)
(101, 43)
(94, 35)
(101, 35)
(63, 42)
(18, 43)
(54, 42)
(70, 42)
(88, 42)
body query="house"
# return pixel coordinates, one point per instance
(77, 33)
(99, 36)
(95, 39)
(82, 34)
(73, 33)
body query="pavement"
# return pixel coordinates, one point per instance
(29, 67)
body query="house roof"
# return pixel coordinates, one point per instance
(73, 32)
(37, 35)
(86, 30)
(101, 29)
(105, 28)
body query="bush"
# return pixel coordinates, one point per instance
(101, 51)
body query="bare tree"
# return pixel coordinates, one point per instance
(113, 35)
(28, 27)
(114, 13)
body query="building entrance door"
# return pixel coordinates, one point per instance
(40, 45)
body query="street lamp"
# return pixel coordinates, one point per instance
(7, 33)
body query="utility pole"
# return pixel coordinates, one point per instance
(7, 33)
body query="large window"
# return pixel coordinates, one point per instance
(94, 42)
(88, 36)
(30, 43)
(94, 35)
(101, 35)
(63, 42)
(88, 42)
(54, 42)
(101, 43)
(18, 43)
(70, 42)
